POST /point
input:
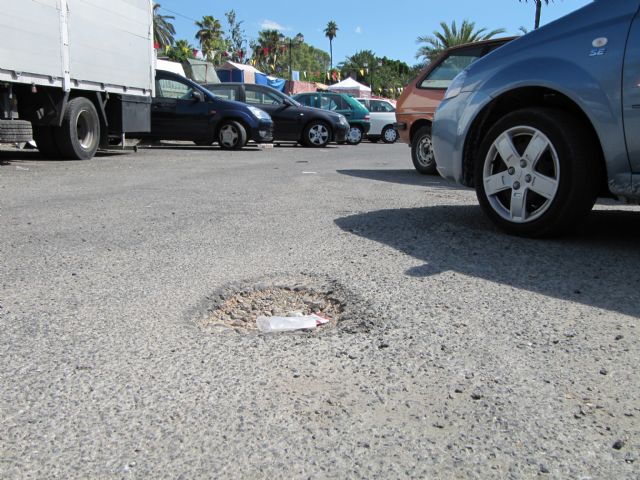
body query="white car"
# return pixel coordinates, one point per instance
(383, 117)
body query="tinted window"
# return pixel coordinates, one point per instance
(226, 92)
(333, 102)
(306, 100)
(173, 89)
(441, 76)
(260, 97)
(380, 106)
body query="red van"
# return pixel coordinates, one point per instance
(417, 104)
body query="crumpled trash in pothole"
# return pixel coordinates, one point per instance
(293, 321)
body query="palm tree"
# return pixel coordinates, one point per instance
(451, 36)
(163, 29)
(210, 36)
(331, 32)
(538, 10)
(267, 49)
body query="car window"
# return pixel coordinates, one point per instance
(166, 88)
(331, 102)
(441, 76)
(225, 92)
(363, 102)
(260, 97)
(380, 106)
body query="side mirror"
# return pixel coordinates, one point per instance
(197, 95)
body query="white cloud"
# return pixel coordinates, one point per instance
(358, 29)
(272, 25)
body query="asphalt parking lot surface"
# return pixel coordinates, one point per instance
(471, 354)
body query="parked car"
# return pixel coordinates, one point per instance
(383, 119)
(547, 123)
(183, 110)
(292, 121)
(419, 99)
(357, 115)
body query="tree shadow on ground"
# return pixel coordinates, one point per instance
(598, 265)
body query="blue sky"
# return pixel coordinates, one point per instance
(387, 28)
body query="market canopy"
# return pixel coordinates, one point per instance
(349, 84)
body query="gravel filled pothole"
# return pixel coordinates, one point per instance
(236, 307)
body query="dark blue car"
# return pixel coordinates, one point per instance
(183, 110)
(547, 123)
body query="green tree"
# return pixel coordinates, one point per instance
(181, 51)
(210, 36)
(385, 76)
(235, 38)
(163, 29)
(450, 36)
(331, 31)
(268, 51)
(538, 4)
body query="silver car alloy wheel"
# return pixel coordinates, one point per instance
(354, 135)
(229, 136)
(521, 174)
(318, 134)
(425, 152)
(390, 135)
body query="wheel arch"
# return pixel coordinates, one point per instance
(517, 99)
(232, 118)
(417, 125)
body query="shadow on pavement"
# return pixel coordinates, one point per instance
(405, 176)
(598, 265)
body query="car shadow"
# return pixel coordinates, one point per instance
(196, 148)
(406, 176)
(597, 265)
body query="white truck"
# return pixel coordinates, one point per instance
(75, 72)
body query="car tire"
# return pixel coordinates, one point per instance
(46, 142)
(389, 134)
(422, 154)
(78, 137)
(544, 160)
(232, 135)
(316, 135)
(15, 131)
(355, 135)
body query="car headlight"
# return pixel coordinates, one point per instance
(343, 120)
(259, 114)
(456, 85)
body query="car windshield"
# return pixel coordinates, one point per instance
(446, 71)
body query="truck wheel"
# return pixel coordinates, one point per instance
(422, 151)
(46, 142)
(232, 135)
(316, 135)
(15, 131)
(79, 135)
(537, 172)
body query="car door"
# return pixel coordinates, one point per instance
(176, 114)
(382, 114)
(631, 95)
(286, 118)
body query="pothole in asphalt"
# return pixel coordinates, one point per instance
(236, 307)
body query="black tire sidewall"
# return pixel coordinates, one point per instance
(306, 141)
(415, 142)
(242, 135)
(361, 135)
(577, 189)
(384, 138)
(67, 135)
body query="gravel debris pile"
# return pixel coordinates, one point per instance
(239, 310)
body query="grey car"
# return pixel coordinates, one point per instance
(547, 123)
